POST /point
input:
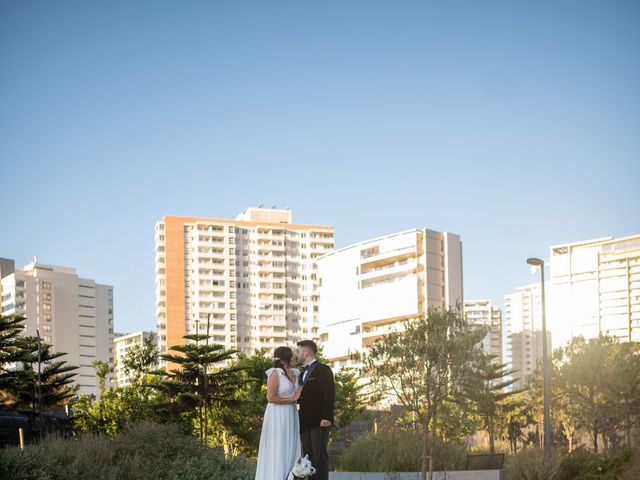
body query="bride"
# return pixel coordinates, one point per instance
(280, 437)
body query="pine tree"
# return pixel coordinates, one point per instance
(53, 386)
(489, 392)
(20, 384)
(201, 380)
(10, 328)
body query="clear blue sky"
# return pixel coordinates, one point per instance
(514, 124)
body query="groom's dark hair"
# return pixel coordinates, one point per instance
(310, 344)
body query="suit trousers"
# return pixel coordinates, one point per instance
(314, 444)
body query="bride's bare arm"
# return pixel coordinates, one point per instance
(272, 391)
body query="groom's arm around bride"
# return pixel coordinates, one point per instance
(317, 404)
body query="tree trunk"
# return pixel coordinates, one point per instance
(432, 445)
(513, 438)
(226, 448)
(492, 448)
(425, 451)
(570, 442)
(595, 438)
(628, 432)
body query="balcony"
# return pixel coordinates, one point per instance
(371, 334)
(403, 265)
(374, 255)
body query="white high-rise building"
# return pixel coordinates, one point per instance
(254, 277)
(73, 314)
(122, 344)
(596, 284)
(483, 313)
(369, 288)
(522, 329)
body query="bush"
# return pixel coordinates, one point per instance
(579, 465)
(530, 465)
(585, 465)
(632, 472)
(397, 451)
(144, 451)
(28, 464)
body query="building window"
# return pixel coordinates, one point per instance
(46, 296)
(46, 306)
(46, 317)
(46, 285)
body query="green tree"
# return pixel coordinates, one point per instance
(140, 360)
(623, 392)
(352, 398)
(118, 407)
(203, 382)
(489, 390)
(596, 389)
(457, 419)
(239, 425)
(582, 371)
(425, 365)
(516, 417)
(353, 394)
(52, 386)
(10, 352)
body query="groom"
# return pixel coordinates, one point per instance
(316, 407)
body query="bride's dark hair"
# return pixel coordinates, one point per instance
(281, 357)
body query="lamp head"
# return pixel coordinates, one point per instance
(536, 262)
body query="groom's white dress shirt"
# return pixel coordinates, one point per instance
(304, 375)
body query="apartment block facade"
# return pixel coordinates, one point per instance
(597, 287)
(73, 314)
(484, 314)
(522, 329)
(369, 288)
(253, 278)
(122, 344)
(526, 347)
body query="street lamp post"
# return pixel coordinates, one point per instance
(39, 373)
(536, 262)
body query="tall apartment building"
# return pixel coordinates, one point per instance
(483, 313)
(73, 314)
(522, 329)
(122, 344)
(254, 277)
(597, 287)
(527, 354)
(369, 288)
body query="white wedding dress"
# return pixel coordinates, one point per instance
(280, 437)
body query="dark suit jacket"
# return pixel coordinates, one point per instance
(318, 398)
